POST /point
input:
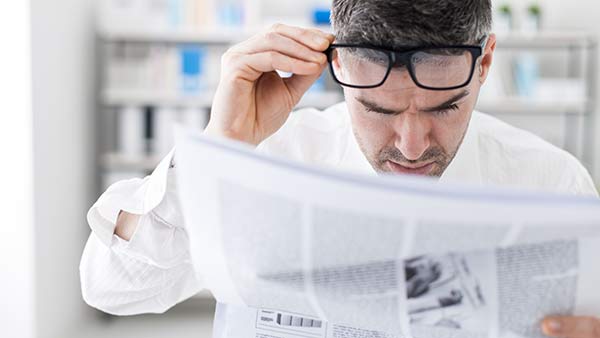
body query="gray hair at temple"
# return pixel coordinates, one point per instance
(393, 23)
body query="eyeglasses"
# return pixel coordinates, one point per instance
(433, 68)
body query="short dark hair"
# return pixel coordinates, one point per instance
(393, 23)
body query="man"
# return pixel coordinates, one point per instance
(411, 71)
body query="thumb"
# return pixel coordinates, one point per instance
(574, 327)
(299, 84)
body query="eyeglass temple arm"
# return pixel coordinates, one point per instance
(484, 41)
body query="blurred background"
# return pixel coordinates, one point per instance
(93, 86)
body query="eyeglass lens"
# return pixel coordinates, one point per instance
(435, 68)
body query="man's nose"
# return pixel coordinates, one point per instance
(412, 134)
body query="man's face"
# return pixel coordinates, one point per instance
(402, 128)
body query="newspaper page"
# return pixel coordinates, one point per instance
(290, 250)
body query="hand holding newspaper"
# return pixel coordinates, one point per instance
(298, 251)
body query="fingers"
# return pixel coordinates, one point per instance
(296, 42)
(299, 84)
(286, 48)
(313, 38)
(571, 327)
(250, 67)
(272, 41)
(269, 61)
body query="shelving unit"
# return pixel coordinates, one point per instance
(114, 161)
(221, 37)
(111, 160)
(579, 115)
(149, 98)
(572, 42)
(547, 39)
(535, 107)
(523, 40)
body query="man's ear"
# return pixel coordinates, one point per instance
(336, 62)
(487, 58)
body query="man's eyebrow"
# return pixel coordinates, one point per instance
(447, 104)
(379, 109)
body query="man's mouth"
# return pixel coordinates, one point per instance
(416, 169)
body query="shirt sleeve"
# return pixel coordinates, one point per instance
(578, 180)
(152, 271)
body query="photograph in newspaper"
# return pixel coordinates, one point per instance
(451, 294)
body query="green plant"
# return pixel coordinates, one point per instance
(535, 10)
(505, 9)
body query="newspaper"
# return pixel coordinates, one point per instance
(290, 250)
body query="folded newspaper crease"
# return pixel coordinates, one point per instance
(299, 251)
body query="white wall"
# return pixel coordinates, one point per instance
(63, 105)
(16, 201)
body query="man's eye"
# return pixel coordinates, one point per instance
(451, 108)
(369, 110)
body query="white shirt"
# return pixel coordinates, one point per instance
(152, 272)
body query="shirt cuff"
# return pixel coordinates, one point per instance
(135, 196)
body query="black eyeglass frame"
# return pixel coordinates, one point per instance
(405, 56)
